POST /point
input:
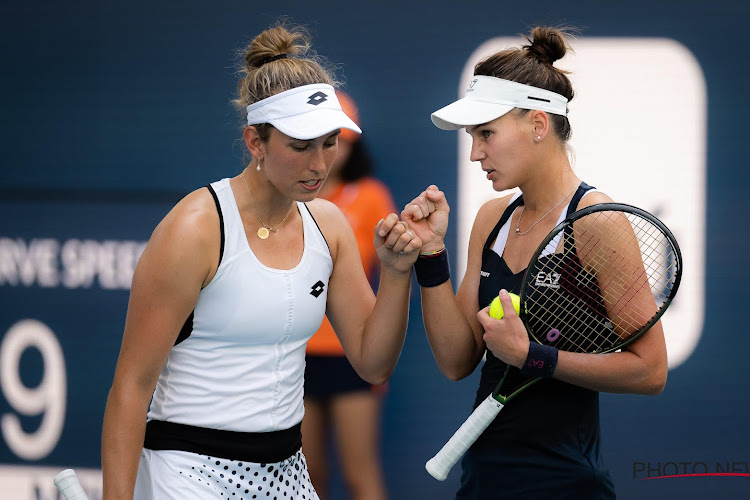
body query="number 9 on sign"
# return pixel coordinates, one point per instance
(47, 398)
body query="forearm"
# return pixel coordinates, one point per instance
(618, 372)
(385, 329)
(449, 333)
(122, 441)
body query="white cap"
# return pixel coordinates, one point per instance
(489, 98)
(304, 112)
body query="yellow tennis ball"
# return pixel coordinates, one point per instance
(496, 308)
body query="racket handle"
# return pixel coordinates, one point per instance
(67, 484)
(439, 465)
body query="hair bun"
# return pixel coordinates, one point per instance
(547, 45)
(276, 43)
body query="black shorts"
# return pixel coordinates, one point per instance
(327, 376)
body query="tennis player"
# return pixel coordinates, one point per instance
(232, 284)
(546, 442)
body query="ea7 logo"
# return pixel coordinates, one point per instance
(550, 280)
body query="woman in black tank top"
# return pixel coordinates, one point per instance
(546, 442)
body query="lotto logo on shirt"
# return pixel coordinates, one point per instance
(317, 289)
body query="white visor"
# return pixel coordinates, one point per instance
(304, 112)
(489, 98)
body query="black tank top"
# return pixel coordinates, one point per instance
(551, 427)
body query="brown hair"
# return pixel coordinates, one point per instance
(278, 59)
(532, 65)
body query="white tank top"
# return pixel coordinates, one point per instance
(242, 366)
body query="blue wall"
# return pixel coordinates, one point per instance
(111, 110)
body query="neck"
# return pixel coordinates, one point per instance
(546, 189)
(262, 200)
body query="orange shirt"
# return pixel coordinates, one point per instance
(364, 203)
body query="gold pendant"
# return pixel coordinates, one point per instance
(263, 233)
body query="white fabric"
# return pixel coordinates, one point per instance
(489, 98)
(242, 367)
(304, 112)
(180, 475)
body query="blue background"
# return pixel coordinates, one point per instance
(112, 110)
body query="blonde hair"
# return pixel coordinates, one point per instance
(278, 59)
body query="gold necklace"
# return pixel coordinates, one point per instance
(518, 223)
(265, 230)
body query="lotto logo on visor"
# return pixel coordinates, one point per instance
(317, 98)
(489, 98)
(304, 112)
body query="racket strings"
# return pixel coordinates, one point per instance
(593, 288)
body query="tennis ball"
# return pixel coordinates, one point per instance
(496, 308)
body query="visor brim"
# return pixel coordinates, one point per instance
(315, 124)
(467, 112)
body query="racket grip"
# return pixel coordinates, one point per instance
(439, 465)
(68, 485)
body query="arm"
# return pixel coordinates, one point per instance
(176, 263)
(371, 331)
(640, 368)
(453, 331)
(624, 285)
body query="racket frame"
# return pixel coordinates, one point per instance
(568, 223)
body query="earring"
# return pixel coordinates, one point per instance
(538, 138)
(258, 167)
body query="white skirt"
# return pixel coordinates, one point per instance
(181, 475)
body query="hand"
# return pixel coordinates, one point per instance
(397, 245)
(427, 216)
(506, 338)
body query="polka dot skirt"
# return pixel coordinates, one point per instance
(211, 477)
(287, 479)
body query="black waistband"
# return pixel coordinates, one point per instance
(259, 447)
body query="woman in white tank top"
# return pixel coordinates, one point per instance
(207, 395)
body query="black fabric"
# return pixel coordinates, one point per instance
(258, 447)
(546, 441)
(541, 361)
(432, 271)
(221, 221)
(327, 376)
(187, 327)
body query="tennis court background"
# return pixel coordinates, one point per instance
(112, 111)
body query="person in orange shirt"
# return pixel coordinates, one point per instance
(336, 398)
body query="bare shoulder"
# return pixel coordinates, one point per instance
(594, 198)
(194, 218)
(191, 227)
(326, 214)
(331, 221)
(489, 214)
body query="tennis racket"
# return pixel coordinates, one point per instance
(598, 281)
(68, 485)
